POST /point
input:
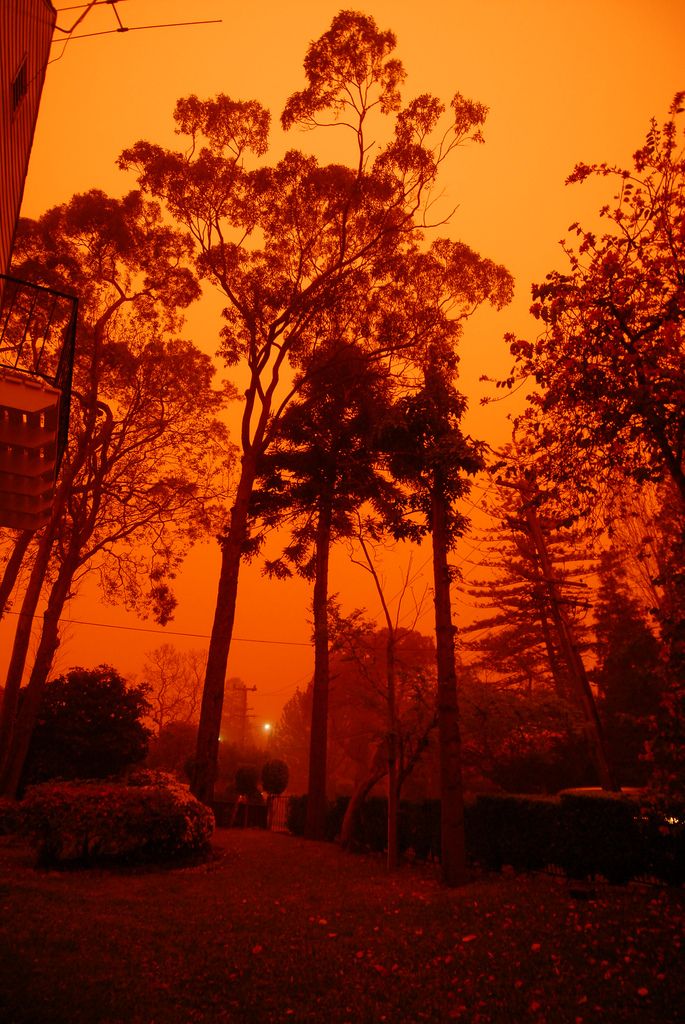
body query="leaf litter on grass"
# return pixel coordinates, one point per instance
(283, 929)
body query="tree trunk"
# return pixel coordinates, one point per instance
(14, 563)
(453, 857)
(392, 743)
(378, 770)
(13, 764)
(22, 636)
(315, 823)
(20, 647)
(207, 749)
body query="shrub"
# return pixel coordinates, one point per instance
(371, 831)
(522, 831)
(604, 835)
(89, 727)
(297, 814)
(85, 822)
(173, 748)
(594, 833)
(420, 829)
(663, 832)
(9, 816)
(275, 777)
(246, 780)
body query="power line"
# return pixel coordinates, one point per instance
(93, 3)
(143, 28)
(173, 632)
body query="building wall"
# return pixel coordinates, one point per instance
(26, 28)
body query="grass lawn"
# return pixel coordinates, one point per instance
(279, 929)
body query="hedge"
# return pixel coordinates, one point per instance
(615, 836)
(149, 817)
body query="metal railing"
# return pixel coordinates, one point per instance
(38, 338)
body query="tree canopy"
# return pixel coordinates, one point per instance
(610, 362)
(90, 726)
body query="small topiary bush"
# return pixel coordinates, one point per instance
(275, 777)
(247, 781)
(90, 822)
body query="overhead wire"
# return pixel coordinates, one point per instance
(172, 632)
(143, 28)
(93, 3)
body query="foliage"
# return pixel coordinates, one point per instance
(335, 812)
(85, 822)
(172, 748)
(522, 831)
(135, 467)
(247, 780)
(275, 777)
(513, 636)
(540, 760)
(290, 244)
(174, 680)
(357, 703)
(629, 674)
(145, 452)
(89, 726)
(665, 750)
(617, 836)
(323, 461)
(609, 363)
(9, 816)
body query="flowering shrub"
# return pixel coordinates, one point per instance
(147, 819)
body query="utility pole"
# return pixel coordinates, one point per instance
(238, 710)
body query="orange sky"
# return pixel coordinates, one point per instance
(565, 80)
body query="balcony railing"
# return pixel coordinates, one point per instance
(37, 339)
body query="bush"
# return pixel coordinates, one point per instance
(173, 748)
(89, 727)
(275, 777)
(585, 834)
(522, 831)
(85, 822)
(663, 830)
(297, 815)
(420, 829)
(596, 833)
(10, 817)
(371, 832)
(247, 781)
(546, 770)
